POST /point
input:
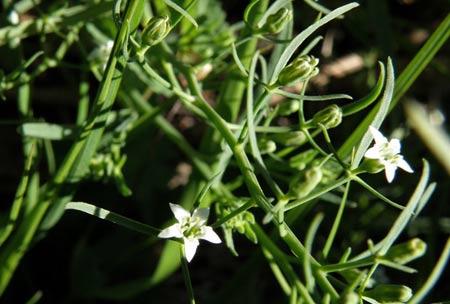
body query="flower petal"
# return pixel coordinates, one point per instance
(210, 235)
(377, 136)
(394, 145)
(373, 153)
(173, 231)
(179, 212)
(401, 163)
(389, 170)
(190, 247)
(202, 214)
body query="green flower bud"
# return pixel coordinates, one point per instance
(250, 234)
(288, 107)
(301, 160)
(155, 30)
(306, 182)
(276, 22)
(303, 67)
(406, 252)
(330, 117)
(389, 293)
(295, 138)
(349, 298)
(266, 146)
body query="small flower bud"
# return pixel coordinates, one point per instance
(277, 21)
(389, 293)
(288, 107)
(266, 146)
(349, 298)
(303, 67)
(330, 117)
(406, 252)
(13, 17)
(306, 182)
(156, 30)
(290, 138)
(301, 160)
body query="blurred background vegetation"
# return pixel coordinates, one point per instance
(81, 256)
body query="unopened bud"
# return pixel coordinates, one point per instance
(330, 117)
(301, 160)
(277, 21)
(349, 298)
(306, 182)
(13, 17)
(406, 252)
(266, 146)
(295, 138)
(389, 293)
(156, 30)
(303, 67)
(288, 107)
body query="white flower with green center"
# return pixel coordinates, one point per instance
(191, 228)
(387, 153)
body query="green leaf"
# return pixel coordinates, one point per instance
(43, 130)
(16, 207)
(407, 213)
(298, 40)
(113, 217)
(182, 11)
(382, 110)
(366, 101)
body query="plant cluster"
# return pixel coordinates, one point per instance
(265, 166)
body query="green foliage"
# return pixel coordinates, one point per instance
(263, 152)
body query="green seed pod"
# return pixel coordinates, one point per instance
(330, 117)
(306, 182)
(155, 30)
(349, 298)
(277, 21)
(303, 67)
(290, 138)
(288, 107)
(389, 293)
(406, 252)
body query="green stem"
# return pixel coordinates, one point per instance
(337, 221)
(186, 276)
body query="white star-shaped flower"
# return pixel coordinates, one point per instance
(191, 228)
(387, 153)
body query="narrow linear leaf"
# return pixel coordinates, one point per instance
(366, 101)
(312, 98)
(43, 130)
(182, 11)
(382, 110)
(6, 230)
(112, 217)
(408, 212)
(298, 40)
